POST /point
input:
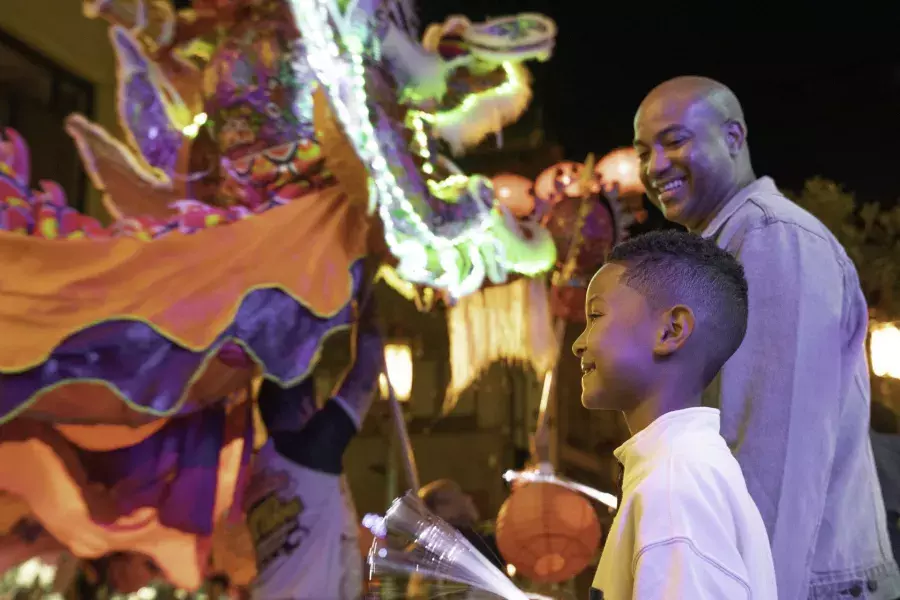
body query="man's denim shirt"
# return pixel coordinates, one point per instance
(795, 401)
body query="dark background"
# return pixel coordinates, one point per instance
(820, 94)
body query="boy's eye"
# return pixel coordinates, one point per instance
(593, 316)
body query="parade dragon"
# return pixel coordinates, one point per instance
(270, 148)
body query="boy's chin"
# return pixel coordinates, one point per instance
(598, 398)
(593, 400)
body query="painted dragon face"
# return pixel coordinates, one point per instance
(396, 105)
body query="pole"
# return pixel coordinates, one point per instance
(391, 487)
(548, 395)
(402, 439)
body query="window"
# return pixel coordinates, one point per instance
(36, 96)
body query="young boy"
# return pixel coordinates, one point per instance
(663, 316)
(296, 511)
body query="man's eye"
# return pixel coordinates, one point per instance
(593, 316)
(675, 142)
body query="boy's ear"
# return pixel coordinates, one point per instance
(676, 326)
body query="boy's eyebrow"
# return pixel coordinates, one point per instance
(593, 300)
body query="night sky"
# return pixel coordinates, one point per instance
(824, 106)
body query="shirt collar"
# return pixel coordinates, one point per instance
(763, 185)
(659, 435)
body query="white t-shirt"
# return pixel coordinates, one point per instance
(297, 519)
(686, 527)
(352, 560)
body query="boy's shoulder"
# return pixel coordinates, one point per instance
(686, 493)
(704, 474)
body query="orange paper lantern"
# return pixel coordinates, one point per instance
(515, 193)
(559, 181)
(623, 167)
(549, 533)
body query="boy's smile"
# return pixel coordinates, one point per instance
(616, 347)
(587, 368)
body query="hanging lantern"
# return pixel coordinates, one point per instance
(598, 234)
(398, 358)
(559, 181)
(623, 167)
(884, 350)
(549, 533)
(515, 193)
(584, 225)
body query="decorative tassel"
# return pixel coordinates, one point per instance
(509, 323)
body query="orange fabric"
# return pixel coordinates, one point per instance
(187, 286)
(67, 405)
(12, 510)
(38, 466)
(103, 438)
(233, 551)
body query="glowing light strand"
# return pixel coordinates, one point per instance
(604, 498)
(345, 84)
(513, 85)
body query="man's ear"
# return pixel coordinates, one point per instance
(676, 326)
(735, 136)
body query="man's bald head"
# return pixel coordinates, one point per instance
(691, 137)
(716, 97)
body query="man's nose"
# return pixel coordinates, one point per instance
(659, 163)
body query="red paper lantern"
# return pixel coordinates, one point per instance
(515, 193)
(599, 233)
(567, 302)
(623, 167)
(549, 533)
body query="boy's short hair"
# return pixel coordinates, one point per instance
(675, 267)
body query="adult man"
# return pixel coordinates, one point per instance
(795, 396)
